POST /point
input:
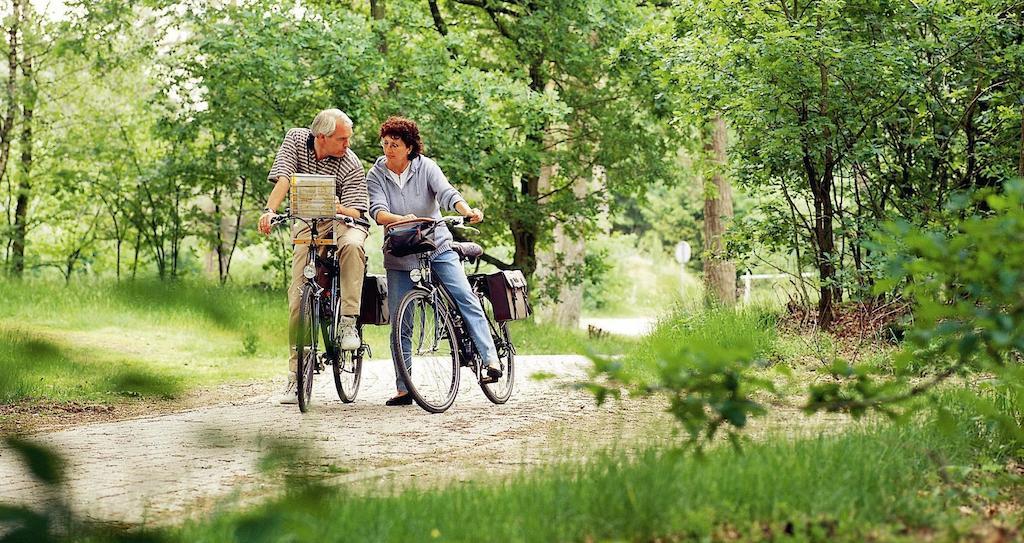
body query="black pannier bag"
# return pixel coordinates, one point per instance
(373, 308)
(507, 292)
(409, 240)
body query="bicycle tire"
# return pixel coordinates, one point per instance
(306, 348)
(348, 373)
(433, 380)
(499, 392)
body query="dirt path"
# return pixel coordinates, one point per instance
(162, 467)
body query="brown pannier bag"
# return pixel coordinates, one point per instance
(373, 308)
(508, 295)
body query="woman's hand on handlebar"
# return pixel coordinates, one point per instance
(475, 216)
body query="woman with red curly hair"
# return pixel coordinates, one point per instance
(403, 184)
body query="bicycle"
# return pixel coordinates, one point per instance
(319, 310)
(430, 332)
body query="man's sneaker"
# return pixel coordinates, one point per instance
(492, 370)
(349, 336)
(290, 395)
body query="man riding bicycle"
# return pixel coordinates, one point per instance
(323, 149)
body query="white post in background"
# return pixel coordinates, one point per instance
(682, 254)
(748, 280)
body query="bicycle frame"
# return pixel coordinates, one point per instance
(314, 263)
(439, 294)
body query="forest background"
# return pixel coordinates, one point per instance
(135, 137)
(870, 151)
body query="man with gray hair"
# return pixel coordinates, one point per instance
(323, 149)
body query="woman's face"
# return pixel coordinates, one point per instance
(394, 148)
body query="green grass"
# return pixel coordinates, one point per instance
(32, 366)
(686, 326)
(103, 341)
(878, 481)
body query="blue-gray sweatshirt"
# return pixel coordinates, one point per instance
(425, 193)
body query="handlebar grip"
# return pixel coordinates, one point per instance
(351, 221)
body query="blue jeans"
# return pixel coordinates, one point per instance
(448, 270)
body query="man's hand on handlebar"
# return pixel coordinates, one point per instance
(270, 219)
(266, 222)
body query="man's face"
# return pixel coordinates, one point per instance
(337, 143)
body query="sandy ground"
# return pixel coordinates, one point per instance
(164, 467)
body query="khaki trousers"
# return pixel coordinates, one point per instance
(351, 259)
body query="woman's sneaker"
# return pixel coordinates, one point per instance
(492, 371)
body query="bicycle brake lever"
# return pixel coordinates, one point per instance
(351, 221)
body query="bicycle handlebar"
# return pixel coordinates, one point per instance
(350, 221)
(450, 221)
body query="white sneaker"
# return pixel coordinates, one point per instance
(290, 396)
(349, 335)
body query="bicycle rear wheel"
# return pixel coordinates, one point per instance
(306, 347)
(348, 373)
(500, 391)
(424, 351)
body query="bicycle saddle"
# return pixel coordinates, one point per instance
(467, 250)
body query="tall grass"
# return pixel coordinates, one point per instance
(689, 326)
(825, 488)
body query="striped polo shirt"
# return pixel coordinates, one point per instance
(297, 155)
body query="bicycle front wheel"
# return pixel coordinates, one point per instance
(424, 351)
(306, 347)
(348, 372)
(500, 391)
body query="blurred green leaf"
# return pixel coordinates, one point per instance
(42, 461)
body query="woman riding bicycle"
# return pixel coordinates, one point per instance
(405, 185)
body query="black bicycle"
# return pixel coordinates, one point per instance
(429, 339)
(319, 317)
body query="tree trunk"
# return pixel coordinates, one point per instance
(525, 230)
(1020, 164)
(825, 238)
(377, 13)
(831, 292)
(568, 254)
(25, 173)
(7, 123)
(235, 229)
(563, 261)
(719, 271)
(176, 232)
(135, 255)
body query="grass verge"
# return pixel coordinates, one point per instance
(105, 340)
(882, 483)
